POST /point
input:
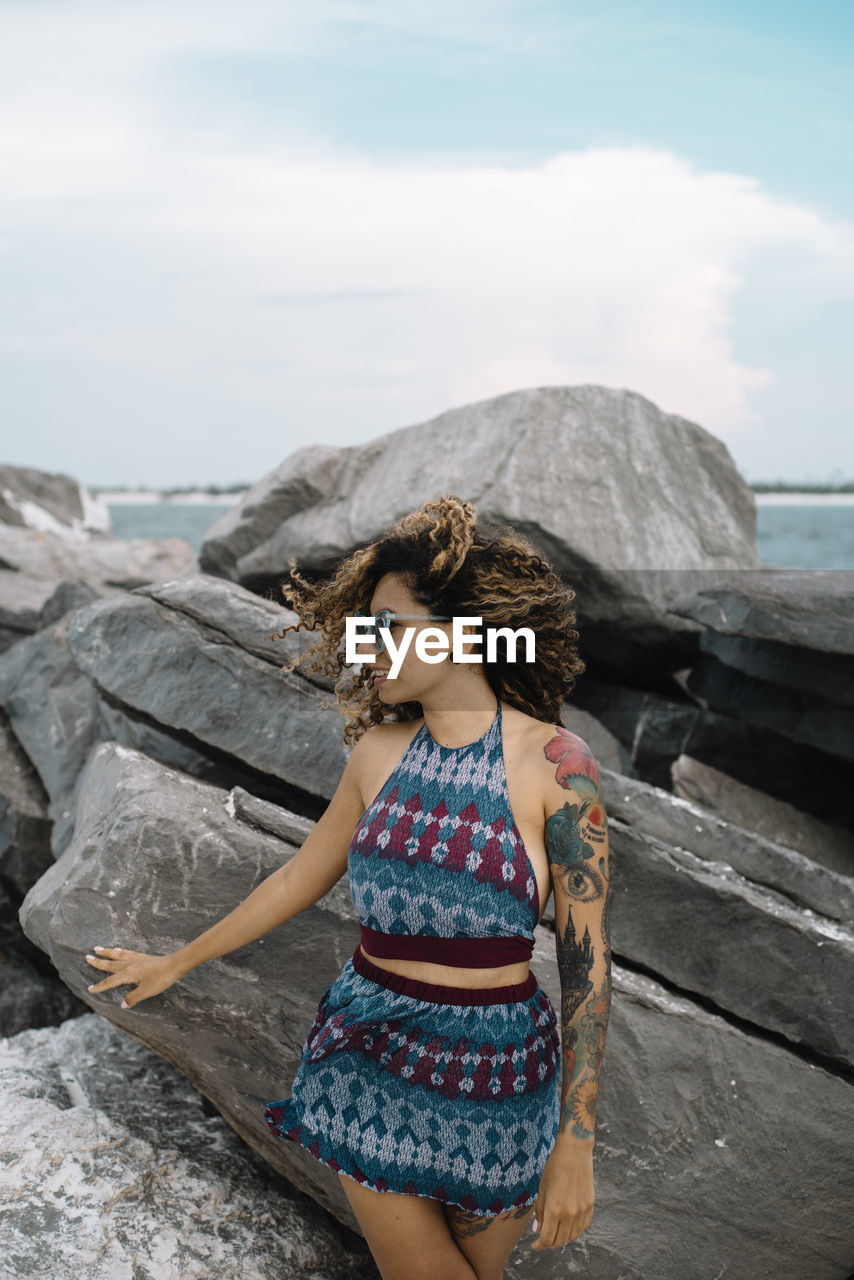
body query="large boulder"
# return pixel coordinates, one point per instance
(206, 665)
(596, 476)
(184, 671)
(157, 857)
(631, 504)
(717, 1145)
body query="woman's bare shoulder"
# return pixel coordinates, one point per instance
(530, 730)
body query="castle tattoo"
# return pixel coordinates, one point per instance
(577, 847)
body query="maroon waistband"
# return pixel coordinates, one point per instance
(438, 994)
(459, 953)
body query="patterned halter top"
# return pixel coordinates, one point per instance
(438, 870)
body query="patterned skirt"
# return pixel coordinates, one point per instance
(428, 1090)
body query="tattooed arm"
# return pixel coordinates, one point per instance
(576, 837)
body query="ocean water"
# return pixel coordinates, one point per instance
(797, 535)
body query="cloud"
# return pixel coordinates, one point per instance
(176, 230)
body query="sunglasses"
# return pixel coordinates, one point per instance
(383, 617)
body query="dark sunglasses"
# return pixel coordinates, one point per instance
(383, 617)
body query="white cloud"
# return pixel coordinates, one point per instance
(613, 265)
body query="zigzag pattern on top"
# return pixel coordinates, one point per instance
(438, 853)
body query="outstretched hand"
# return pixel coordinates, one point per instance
(564, 1205)
(150, 974)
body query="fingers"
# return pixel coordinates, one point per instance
(108, 958)
(548, 1223)
(555, 1231)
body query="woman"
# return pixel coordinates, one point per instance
(429, 1079)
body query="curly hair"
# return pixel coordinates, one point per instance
(456, 566)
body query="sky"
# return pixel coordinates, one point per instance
(229, 230)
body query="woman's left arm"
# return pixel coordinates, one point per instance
(576, 837)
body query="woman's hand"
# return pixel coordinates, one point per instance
(151, 974)
(564, 1206)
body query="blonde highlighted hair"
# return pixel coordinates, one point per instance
(456, 566)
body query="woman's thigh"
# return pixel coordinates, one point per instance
(408, 1236)
(487, 1242)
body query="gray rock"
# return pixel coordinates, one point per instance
(640, 513)
(712, 932)
(190, 704)
(786, 712)
(766, 816)
(65, 598)
(112, 1170)
(233, 1026)
(306, 477)
(806, 608)
(57, 552)
(812, 672)
(656, 726)
(608, 751)
(685, 824)
(29, 604)
(30, 998)
(55, 717)
(105, 564)
(776, 654)
(53, 712)
(207, 671)
(718, 1152)
(24, 823)
(642, 536)
(291, 827)
(51, 502)
(22, 599)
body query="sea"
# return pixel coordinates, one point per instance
(797, 531)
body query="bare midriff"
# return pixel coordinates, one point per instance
(449, 976)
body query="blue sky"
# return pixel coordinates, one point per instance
(228, 230)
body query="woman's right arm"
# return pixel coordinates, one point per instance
(319, 864)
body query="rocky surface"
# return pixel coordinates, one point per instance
(235, 1025)
(684, 824)
(24, 823)
(106, 564)
(715, 933)
(112, 1168)
(203, 690)
(157, 763)
(57, 551)
(703, 1117)
(767, 820)
(659, 724)
(797, 612)
(777, 653)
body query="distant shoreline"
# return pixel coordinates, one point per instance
(152, 497)
(806, 498)
(198, 497)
